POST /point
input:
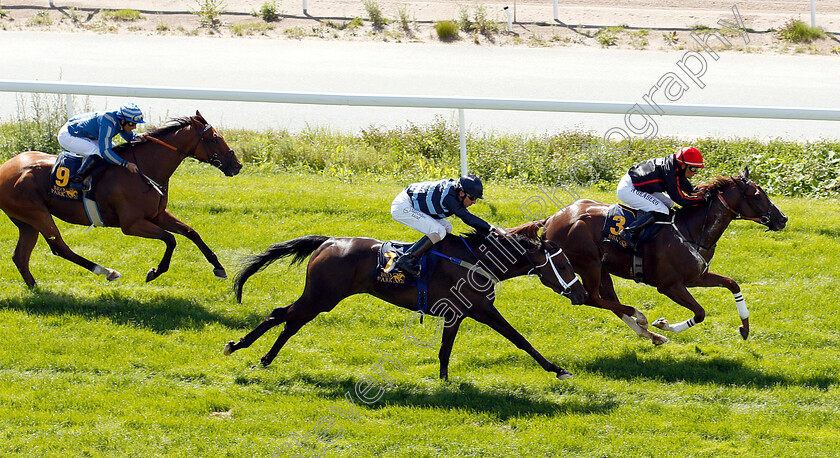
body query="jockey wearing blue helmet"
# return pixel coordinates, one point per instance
(90, 134)
(424, 206)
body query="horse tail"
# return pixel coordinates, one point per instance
(300, 247)
(530, 229)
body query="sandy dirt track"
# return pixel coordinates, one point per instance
(534, 20)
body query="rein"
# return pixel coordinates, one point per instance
(764, 220)
(161, 142)
(493, 278)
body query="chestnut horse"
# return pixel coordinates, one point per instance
(341, 267)
(678, 257)
(135, 202)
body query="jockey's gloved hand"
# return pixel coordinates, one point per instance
(500, 231)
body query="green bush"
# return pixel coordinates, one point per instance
(251, 28)
(446, 30)
(209, 12)
(796, 31)
(122, 15)
(268, 12)
(375, 14)
(417, 152)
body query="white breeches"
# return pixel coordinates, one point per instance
(82, 146)
(657, 202)
(403, 211)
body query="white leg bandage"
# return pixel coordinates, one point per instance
(742, 306)
(633, 325)
(680, 327)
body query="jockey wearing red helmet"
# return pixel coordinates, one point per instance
(656, 185)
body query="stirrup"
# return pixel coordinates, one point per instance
(79, 185)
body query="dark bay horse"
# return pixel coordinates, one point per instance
(126, 200)
(341, 267)
(677, 258)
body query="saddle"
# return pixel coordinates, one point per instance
(64, 169)
(620, 216)
(387, 272)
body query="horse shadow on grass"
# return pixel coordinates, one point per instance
(714, 370)
(503, 405)
(160, 313)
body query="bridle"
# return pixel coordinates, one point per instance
(567, 286)
(763, 220)
(212, 160)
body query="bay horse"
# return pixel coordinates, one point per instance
(135, 202)
(341, 267)
(677, 258)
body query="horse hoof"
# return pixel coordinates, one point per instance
(151, 275)
(220, 272)
(113, 275)
(641, 319)
(662, 323)
(744, 332)
(658, 339)
(563, 374)
(228, 348)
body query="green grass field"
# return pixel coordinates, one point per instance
(91, 368)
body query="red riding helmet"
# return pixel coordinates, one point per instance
(690, 156)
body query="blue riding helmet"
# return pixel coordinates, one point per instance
(471, 185)
(131, 112)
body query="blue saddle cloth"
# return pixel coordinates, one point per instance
(64, 169)
(388, 254)
(620, 216)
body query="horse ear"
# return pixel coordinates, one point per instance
(746, 172)
(200, 118)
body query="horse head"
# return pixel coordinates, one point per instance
(212, 148)
(554, 270)
(747, 200)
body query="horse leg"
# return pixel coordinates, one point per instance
(638, 321)
(711, 279)
(489, 315)
(27, 238)
(169, 222)
(447, 341)
(277, 317)
(599, 286)
(44, 224)
(305, 309)
(679, 294)
(291, 328)
(147, 229)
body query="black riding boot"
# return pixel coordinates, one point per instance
(88, 164)
(410, 261)
(631, 233)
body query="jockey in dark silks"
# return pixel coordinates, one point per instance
(657, 185)
(90, 134)
(423, 206)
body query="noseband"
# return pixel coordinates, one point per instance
(567, 286)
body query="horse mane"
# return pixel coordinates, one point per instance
(528, 243)
(715, 185)
(171, 125)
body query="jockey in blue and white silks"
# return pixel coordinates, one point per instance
(90, 135)
(423, 206)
